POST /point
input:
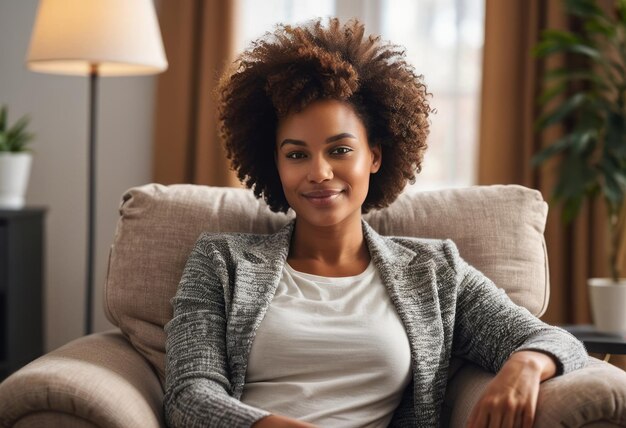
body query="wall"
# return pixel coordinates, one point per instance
(58, 106)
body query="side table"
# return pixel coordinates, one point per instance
(595, 341)
(21, 284)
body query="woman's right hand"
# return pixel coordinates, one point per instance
(277, 421)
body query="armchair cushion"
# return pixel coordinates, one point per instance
(498, 229)
(98, 378)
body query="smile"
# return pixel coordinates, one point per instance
(322, 197)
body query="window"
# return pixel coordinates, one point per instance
(443, 41)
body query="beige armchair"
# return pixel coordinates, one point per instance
(116, 378)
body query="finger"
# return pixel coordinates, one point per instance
(530, 410)
(519, 419)
(529, 415)
(508, 419)
(495, 419)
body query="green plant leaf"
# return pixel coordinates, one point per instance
(589, 51)
(568, 74)
(602, 27)
(553, 45)
(576, 180)
(615, 137)
(547, 48)
(613, 183)
(596, 107)
(561, 36)
(18, 127)
(576, 141)
(575, 177)
(621, 11)
(571, 208)
(557, 147)
(18, 144)
(562, 111)
(584, 8)
(555, 41)
(597, 80)
(15, 138)
(552, 92)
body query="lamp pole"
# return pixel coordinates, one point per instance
(91, 232)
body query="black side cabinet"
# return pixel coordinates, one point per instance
(21, 284)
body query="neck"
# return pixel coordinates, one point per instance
(331, 245)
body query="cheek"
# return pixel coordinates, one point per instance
(287, 175)
(360, 170)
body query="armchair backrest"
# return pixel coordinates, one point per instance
(498, 229)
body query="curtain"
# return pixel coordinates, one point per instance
(199, 38)
(511, 83)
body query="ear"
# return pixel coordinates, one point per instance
(377, 158)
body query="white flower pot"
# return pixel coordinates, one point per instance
(608, 305)
(14, 173)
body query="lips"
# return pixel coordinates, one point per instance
(321, 193)
(322, 197)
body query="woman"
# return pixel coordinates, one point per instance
(326, 323)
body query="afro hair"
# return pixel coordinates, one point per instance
(285, 71)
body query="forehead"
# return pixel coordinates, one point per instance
(321, 118)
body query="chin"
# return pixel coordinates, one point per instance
(322, 219)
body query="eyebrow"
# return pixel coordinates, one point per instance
(328, 140)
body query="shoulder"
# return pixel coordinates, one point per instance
(234, 239)
(232, 245)
(443, 252)
(417, 244)
(229, 242)
(424, 248)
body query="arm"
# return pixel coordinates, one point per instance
(198, 388)
(506, 339)
(489, 327)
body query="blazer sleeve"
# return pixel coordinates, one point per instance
(489, 326)
(198, 388)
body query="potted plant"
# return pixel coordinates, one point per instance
(588, 96)
(15, 161)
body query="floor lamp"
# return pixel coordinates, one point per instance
(95, 38)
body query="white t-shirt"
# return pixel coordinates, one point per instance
(330, 351)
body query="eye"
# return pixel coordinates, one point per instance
(295, 155)
(340, 150)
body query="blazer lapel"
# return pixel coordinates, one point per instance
(410, 279)
(256, 277)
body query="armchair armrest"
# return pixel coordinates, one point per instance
(594, 396)
(98, 379)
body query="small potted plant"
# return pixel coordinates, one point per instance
(588, 96)
(15, 161)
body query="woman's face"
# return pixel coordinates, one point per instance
(324, 162)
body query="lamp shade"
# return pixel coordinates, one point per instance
(120, 37)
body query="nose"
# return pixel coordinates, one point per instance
(320, 170)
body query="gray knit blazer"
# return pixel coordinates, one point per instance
(448, 308)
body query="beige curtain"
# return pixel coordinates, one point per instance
(199, 39)
(511, 83)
